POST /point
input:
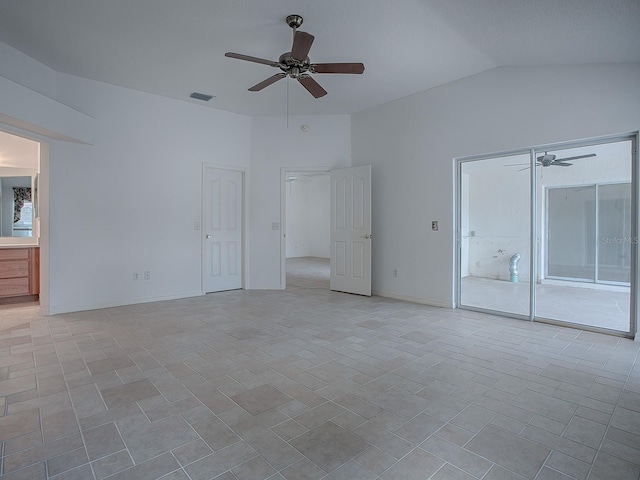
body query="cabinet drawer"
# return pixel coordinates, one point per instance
(14, 286)
(14, 254)
(14, 268)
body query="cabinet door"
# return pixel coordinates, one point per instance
(12, 287)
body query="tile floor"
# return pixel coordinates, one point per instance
(580, 305)
(309, 384)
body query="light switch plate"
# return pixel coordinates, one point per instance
(275, 226)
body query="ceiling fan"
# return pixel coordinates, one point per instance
(296, 63)
(547, 160)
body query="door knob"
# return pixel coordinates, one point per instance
(207, 236)
(368, 236)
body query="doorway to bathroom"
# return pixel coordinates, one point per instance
(550, 234)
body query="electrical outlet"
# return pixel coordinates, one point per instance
(434, 225)
(196, 225)
(136, 276)
(147, 275)
(395, 272)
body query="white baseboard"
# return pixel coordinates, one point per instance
(422, 301)
(59, 309)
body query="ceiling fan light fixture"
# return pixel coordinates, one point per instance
(294, 72)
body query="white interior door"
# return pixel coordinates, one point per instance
(351, 230)
(222, 229)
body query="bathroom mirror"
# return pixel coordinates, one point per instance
(17, 202)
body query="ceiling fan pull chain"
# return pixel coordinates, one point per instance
(287, 103)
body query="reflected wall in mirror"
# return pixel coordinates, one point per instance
(16, 202)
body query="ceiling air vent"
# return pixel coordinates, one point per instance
(201, 96)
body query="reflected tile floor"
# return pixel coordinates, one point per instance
(579, 305)
(312, 384)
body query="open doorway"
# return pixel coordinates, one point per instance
(306, 226)
(19, 223)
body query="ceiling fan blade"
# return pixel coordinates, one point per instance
(527, 168)
(515, 164)
(267, 82)
(356, 68)
(240, 56)
(561, 164)
(312, 86)
(575, 158)
(301, 45)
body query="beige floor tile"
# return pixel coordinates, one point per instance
(19, 423)
(303, 470)
(260, 399)
(112, 464)
(215, 433)
(260, 374)
(415, 466)
(103, 441)
(508, 450)
(329, 446)
(128, 393)
(457, 456)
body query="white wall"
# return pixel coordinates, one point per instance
(117, 203)
(296, 220)
(326, 144)
(308, 218)
(412, 142)
(128, 201)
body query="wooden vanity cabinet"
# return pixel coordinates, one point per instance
(19, 271)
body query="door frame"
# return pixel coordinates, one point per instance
(634, 300)
(244, 221)
(284, 172)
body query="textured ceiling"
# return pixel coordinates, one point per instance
(174, 47)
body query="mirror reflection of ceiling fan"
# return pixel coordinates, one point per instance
(547, 160)
(296, 63)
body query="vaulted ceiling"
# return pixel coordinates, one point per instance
(175, 47)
